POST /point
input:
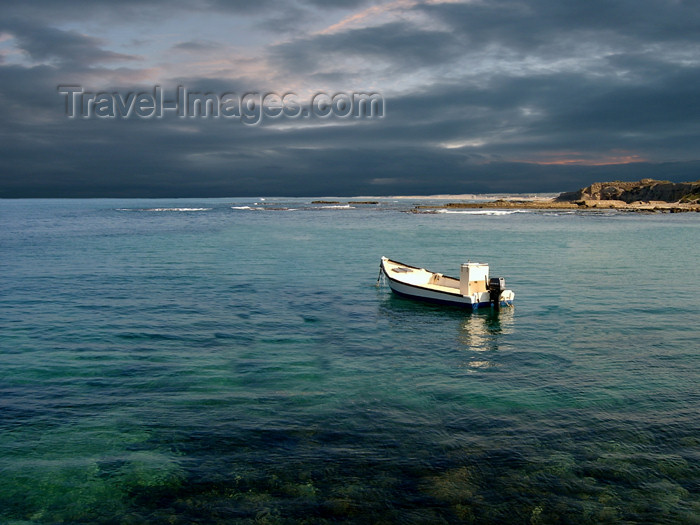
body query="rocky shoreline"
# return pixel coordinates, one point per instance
(645, 196)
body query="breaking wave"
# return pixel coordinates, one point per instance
(163, 209)
(484, 212)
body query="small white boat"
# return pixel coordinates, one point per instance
(473, 289)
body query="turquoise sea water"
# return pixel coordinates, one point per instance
(204, 361)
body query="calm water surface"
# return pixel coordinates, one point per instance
(222, 361)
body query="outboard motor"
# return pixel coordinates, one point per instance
(496, 286)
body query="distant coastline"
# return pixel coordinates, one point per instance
(644, 196)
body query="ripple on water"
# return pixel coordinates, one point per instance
(230, 366)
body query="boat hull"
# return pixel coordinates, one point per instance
(430, 294)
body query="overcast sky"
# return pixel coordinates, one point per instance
(479, 95)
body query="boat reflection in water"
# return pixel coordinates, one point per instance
(482, 332)
(478, 334)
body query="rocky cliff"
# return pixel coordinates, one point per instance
(643, 190)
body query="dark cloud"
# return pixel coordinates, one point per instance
(338, 4)
(59, 10)
(128, 159)
(396, 42)
(528, 25)
(196, 45)
(67, 47)
(480, 97)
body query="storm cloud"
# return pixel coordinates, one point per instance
(488, 96)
